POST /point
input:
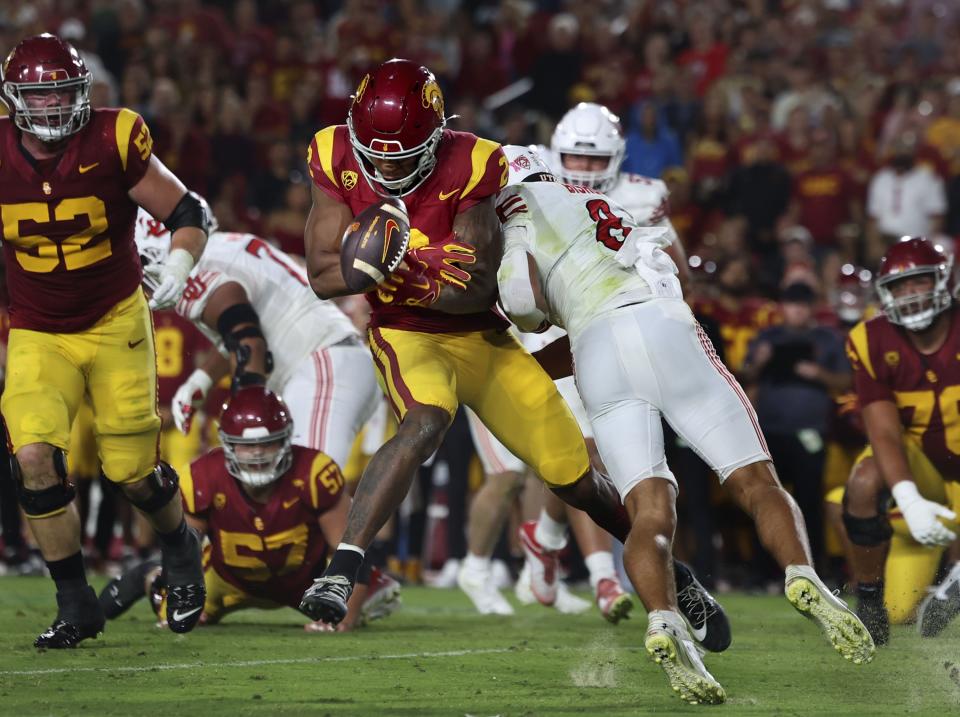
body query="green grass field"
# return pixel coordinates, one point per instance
(437, 657)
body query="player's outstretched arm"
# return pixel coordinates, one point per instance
(479, 227)
(327, 221)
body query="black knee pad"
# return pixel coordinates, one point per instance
(164, 484)
(48, 501)
(867, 532)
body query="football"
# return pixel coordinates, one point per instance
(374, 244)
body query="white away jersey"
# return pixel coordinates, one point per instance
(647, 200)
(294, 321)
(574, 235)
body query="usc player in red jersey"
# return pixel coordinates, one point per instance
(270, 510)
(435, 337)
(71, 179)
(907, 377)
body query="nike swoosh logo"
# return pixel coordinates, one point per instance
(288, 503)
(447, 195)
(134, 344)
(178, 616)
(84, 169)
(700, 634)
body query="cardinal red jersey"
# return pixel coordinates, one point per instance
(68, 222)
(271, 550)
(178, 342)
(739, 327)
(468, 170)
(926, 388)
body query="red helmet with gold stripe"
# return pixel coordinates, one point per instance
(37, 75)
(397, 115)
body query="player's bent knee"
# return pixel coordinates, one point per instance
(45, 493)
(424, 428)
(867, 532)
(155, 490)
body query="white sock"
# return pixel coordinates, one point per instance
(670, 617)
(600, 565)
(549, 533)
(354, 548)
(802, 571)
(476, 563)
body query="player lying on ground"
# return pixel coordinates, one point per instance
(269, 510)
(435, 338)
(70, 184)
(572, 258)
(254, 302)
(908, 386)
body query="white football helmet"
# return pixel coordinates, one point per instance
(525, 164)
(592, 130)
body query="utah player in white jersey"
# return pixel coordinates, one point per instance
(575, 259)
(255, 303)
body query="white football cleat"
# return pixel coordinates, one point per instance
(679, 656)
(480, 588)
(446, 577)
(544, 565)
(568, 603)
(522, 589)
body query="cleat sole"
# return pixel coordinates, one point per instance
(690, 686)
(843, 628)
(619, 610)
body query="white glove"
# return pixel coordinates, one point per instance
(922, 515)
(170, 278)
(188, 398)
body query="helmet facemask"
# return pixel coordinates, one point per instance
(258, 457)
(603, 180)
(916, 312)
(50, 123)
(589, 130)
(426, 153)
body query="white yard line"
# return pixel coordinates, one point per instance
(259, 663)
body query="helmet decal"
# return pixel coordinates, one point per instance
(433, 97)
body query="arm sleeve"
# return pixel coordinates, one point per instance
(134, 145)
(517, 296)
(866, 383)
(326, 483)
(488, 174)
(320, 163)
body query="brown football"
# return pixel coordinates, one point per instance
(374, 244)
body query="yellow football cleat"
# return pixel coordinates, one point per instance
(842, 627)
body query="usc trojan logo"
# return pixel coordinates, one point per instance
(349, 179)
(361, 88)
(432, 97)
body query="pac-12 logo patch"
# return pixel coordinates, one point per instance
(892, 358)
(349, 179)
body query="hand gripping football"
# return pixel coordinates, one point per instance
(374, 244)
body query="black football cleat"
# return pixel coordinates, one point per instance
(186, 592)
(708, 622)
(873, 613)
(326, 599)
(79, 617)
(125, 590)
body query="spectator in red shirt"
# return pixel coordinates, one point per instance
(706, 57)
(824, 197)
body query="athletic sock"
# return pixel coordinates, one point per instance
(176, 538)
(346, 561)
(600, 565)
(549, 533)
(68, 573)
(476, 563)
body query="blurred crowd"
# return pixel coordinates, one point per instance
(798, 139)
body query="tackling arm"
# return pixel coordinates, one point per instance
(326, 223)
(479, 227)
(160, 193)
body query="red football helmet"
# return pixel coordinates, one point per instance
(913, 256)
(397, 114)
(46, 64)
(255, 430)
